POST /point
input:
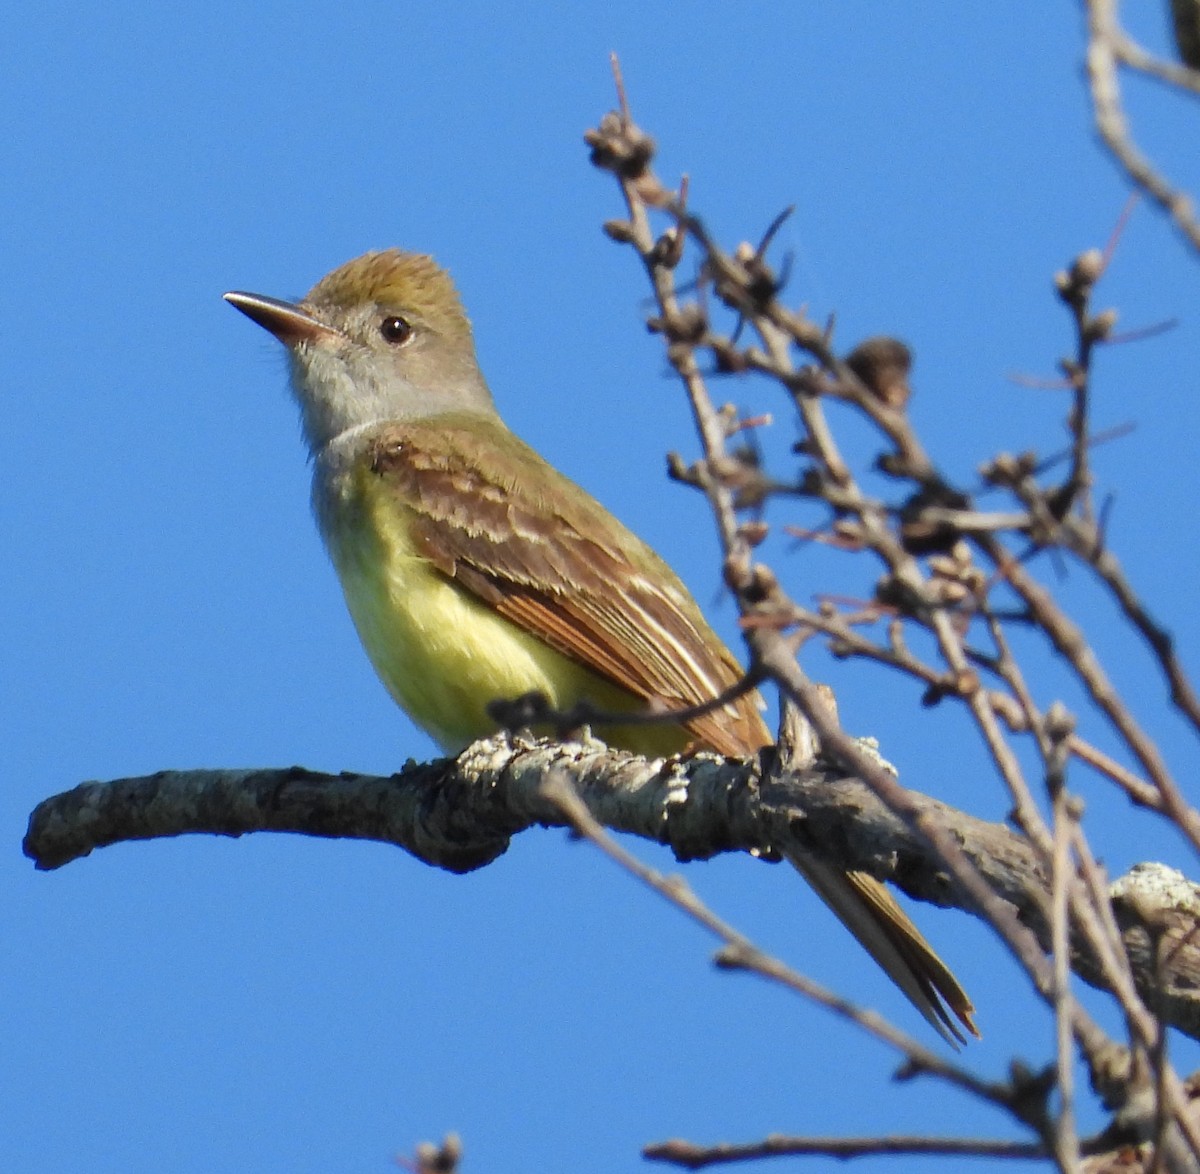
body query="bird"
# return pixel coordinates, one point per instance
(475, 571)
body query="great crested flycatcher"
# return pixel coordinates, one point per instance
(474, 571)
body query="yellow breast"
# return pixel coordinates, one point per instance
(442, 654)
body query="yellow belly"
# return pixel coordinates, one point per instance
(444, 655)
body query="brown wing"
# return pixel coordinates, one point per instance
(533, 545)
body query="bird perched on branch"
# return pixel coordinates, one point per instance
(475, 571)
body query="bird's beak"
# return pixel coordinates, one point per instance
(286, 321)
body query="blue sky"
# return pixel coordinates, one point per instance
(284, 1004)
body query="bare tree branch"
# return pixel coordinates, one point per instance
(460, 814)
(1108, 49)
(950, 575)
(695, 1157)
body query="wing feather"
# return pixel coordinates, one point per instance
(528, 542)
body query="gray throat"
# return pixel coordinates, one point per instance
(333, 464)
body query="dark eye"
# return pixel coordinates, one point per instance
(395, 330)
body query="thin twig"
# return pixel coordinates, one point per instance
(740, 953)
(696, 1157)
